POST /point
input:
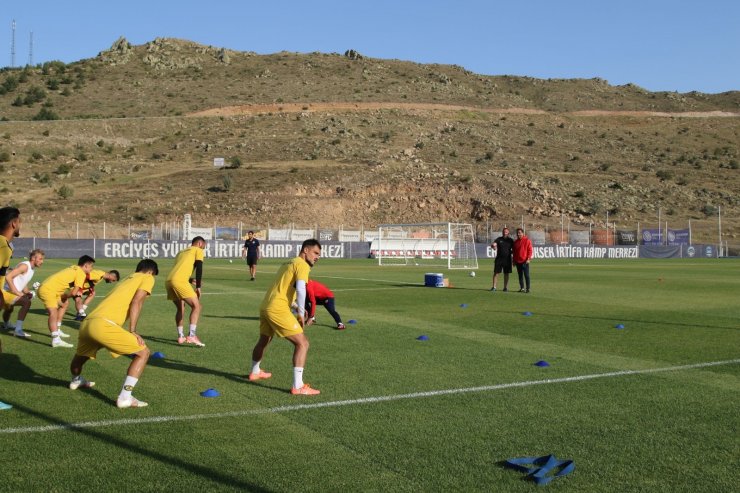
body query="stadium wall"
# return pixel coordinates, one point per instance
(230, 249)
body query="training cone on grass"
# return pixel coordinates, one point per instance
(157, 355)
(542, 363)
(422, 338)
(352, 321)
(543, 469)
(463, 305)
(527, 314)
(619, 326)
(210, 393)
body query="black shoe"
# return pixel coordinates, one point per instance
(527, 291)
(506, 289)
(522, 290)
(493, 289)
(252, 279)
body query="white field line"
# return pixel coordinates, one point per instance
(353, 402)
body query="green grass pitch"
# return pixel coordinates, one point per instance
(396, 413)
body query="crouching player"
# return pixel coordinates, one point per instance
(103, 328)
(88, 289)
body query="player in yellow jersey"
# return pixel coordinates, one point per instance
(180, 289)
(277, 319)
(54, 293)
(88, 289)
(103, 328)
(10, 227)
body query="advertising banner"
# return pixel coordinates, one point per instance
(626, 237)
(580, 237)
(652, 237)
(678, 236)
(227, 233)
(536, 237)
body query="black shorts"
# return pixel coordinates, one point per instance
(251, 260)
(502, 265)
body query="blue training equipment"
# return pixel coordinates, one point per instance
(422, 338)
(210, 393)
(619, 326)
(537, 468)
(157, 355)
(352, 321)
(527, 314)
(542, 363)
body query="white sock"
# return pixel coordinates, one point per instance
(55, 335)
(59, 324)
(255, 366)
(297, 377)
(192, 330)
(128, 387)
(180, 333)
(19, 325)
(84, 307)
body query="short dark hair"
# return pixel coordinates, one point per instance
(116, 273)
(147, 264)
(7, 214)
(520, 229)
(85, 259)
(197, 239)
(310, 242)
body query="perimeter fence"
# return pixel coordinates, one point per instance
(542, 231)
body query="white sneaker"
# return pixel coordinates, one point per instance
(20, 333)
(60, 343)
(133, 402)
(80, 381)
(62, 334)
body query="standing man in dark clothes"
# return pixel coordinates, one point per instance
(251, 251)
(503, 246)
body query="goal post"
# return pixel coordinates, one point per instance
(450, 245)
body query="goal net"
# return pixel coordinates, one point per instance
(430, 244)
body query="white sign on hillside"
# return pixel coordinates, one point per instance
(218, 162)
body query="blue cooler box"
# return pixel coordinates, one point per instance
(434, 280)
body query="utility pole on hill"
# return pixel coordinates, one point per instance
(12, 46)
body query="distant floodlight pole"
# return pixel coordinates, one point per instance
(30, 51)
(660, 241)
(719, 226)
(12, 46)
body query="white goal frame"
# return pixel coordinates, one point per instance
(451, 245)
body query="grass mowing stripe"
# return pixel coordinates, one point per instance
(365, 400)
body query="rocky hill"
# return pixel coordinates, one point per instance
(329, 139)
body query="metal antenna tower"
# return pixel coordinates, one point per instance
(12, 48)
(30, 51)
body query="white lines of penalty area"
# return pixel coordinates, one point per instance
(356, 402)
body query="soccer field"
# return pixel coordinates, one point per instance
(650, 407)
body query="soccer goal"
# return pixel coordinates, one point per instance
(429, 244)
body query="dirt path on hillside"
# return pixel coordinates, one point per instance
(254, 109)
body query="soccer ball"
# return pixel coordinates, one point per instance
(36, 285)
(472, 273)
(231, 261)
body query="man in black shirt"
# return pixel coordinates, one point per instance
(503, 246)
(251, 251)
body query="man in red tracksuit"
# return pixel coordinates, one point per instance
(318, 294)
(522, 255)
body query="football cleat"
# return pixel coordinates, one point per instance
(194, 340)
(340, 326)
(181, 340)
(132, 402)
(259, 376)
(305, 390)
(80, 381)
(20, 333)
(62, 334)
(60, 343)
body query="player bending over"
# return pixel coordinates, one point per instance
(16, 284)
(318, 294)
(88, 290)
(103, 328)
(55, 296)
(277, 319)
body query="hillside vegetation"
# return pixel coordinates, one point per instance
(130, 136)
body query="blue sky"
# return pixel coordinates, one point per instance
(661, 45)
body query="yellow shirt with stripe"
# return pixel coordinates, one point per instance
(184, 264)
(115, 306)
(6, 251)
(58, 283)
(282, 291)
(96, 275)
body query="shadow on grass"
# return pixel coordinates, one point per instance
(188, 468)
(177, 365)
(235, 317)
(613, 320)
